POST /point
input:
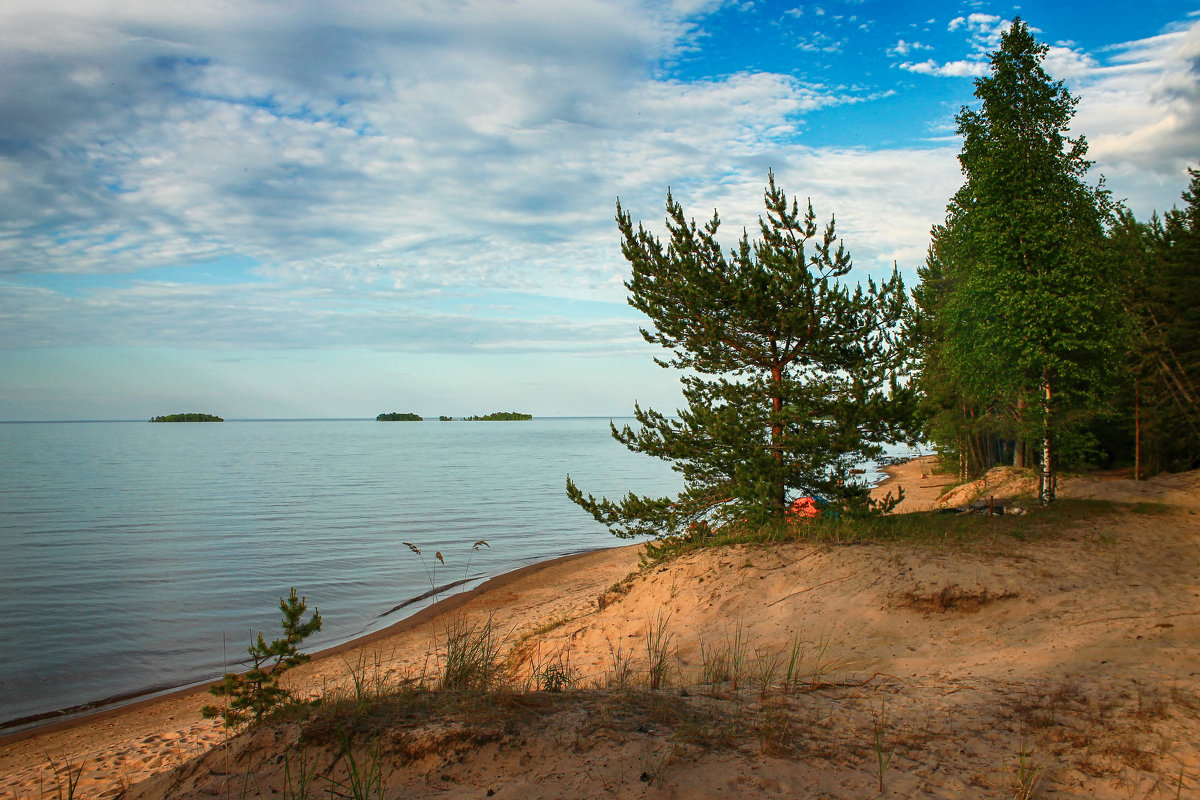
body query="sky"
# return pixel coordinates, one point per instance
(296, 209)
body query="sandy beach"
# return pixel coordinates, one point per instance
(1065, 663)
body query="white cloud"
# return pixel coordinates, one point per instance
(983, 38)
(903, 48)
(952, 69)
(1068, 64)
(1141, 113)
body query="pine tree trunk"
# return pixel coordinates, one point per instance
(779, 501)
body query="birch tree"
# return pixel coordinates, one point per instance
(1029, 313)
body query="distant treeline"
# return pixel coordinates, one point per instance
(189, 417)
(498, 416)
(501, 416)
(396, 416)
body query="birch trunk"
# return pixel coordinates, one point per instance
(1046, 494)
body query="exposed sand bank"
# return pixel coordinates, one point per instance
(1081, 649)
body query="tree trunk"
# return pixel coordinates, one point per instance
(1046, 492)
(1137, 432)
(779, 501)
(1019, 445)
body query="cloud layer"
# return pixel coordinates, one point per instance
(440, 176)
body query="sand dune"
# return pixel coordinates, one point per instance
(1066, 660)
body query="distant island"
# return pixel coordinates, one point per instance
(444, 418)
(190, 417)
(501, 416)
(396, 416)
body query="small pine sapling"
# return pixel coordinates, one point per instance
(254, 694)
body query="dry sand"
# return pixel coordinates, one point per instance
(1079, 649)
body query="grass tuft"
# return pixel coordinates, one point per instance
(658, 651)
(472, 652)
(1027, 775)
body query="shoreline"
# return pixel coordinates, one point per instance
(61, 719)
(119, 747)
(65, 719)
(960, 711)
(916, 477)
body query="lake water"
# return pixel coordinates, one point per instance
(135, 557)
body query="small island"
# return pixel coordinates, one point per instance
(444, 418)
(396, 416)
(189, 417)
(501, 416)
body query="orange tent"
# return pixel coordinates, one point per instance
(803, 508)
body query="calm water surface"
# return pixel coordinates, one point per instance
(137, 556)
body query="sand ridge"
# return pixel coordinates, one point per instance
(1080, 649)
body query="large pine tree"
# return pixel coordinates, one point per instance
(787, 372)
(1025, 319)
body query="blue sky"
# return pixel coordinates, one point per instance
(303, 209)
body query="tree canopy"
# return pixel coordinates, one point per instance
(788, 374)
(1019, 314)
(1161, 264)
(191, 416)
(398, 416)
(501, 416)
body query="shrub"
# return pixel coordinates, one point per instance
(254, 694)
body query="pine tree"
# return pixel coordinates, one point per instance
(1162, 262)
(254, 694)
(1027, 327)
(788, 374)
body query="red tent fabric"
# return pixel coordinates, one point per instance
(803, 508)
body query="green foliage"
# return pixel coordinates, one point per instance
(1161, 264)
(188, 417)
(501, 416)
(396, 416)
(789, 375)
(473, 657)
(254, 694)
(1019, 314)
(444, 418)
(925, 529)
(364, 780)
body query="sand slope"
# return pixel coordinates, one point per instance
(1079, 650)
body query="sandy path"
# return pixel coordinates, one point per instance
(921, 486)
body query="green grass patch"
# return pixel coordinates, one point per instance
(926, 528)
